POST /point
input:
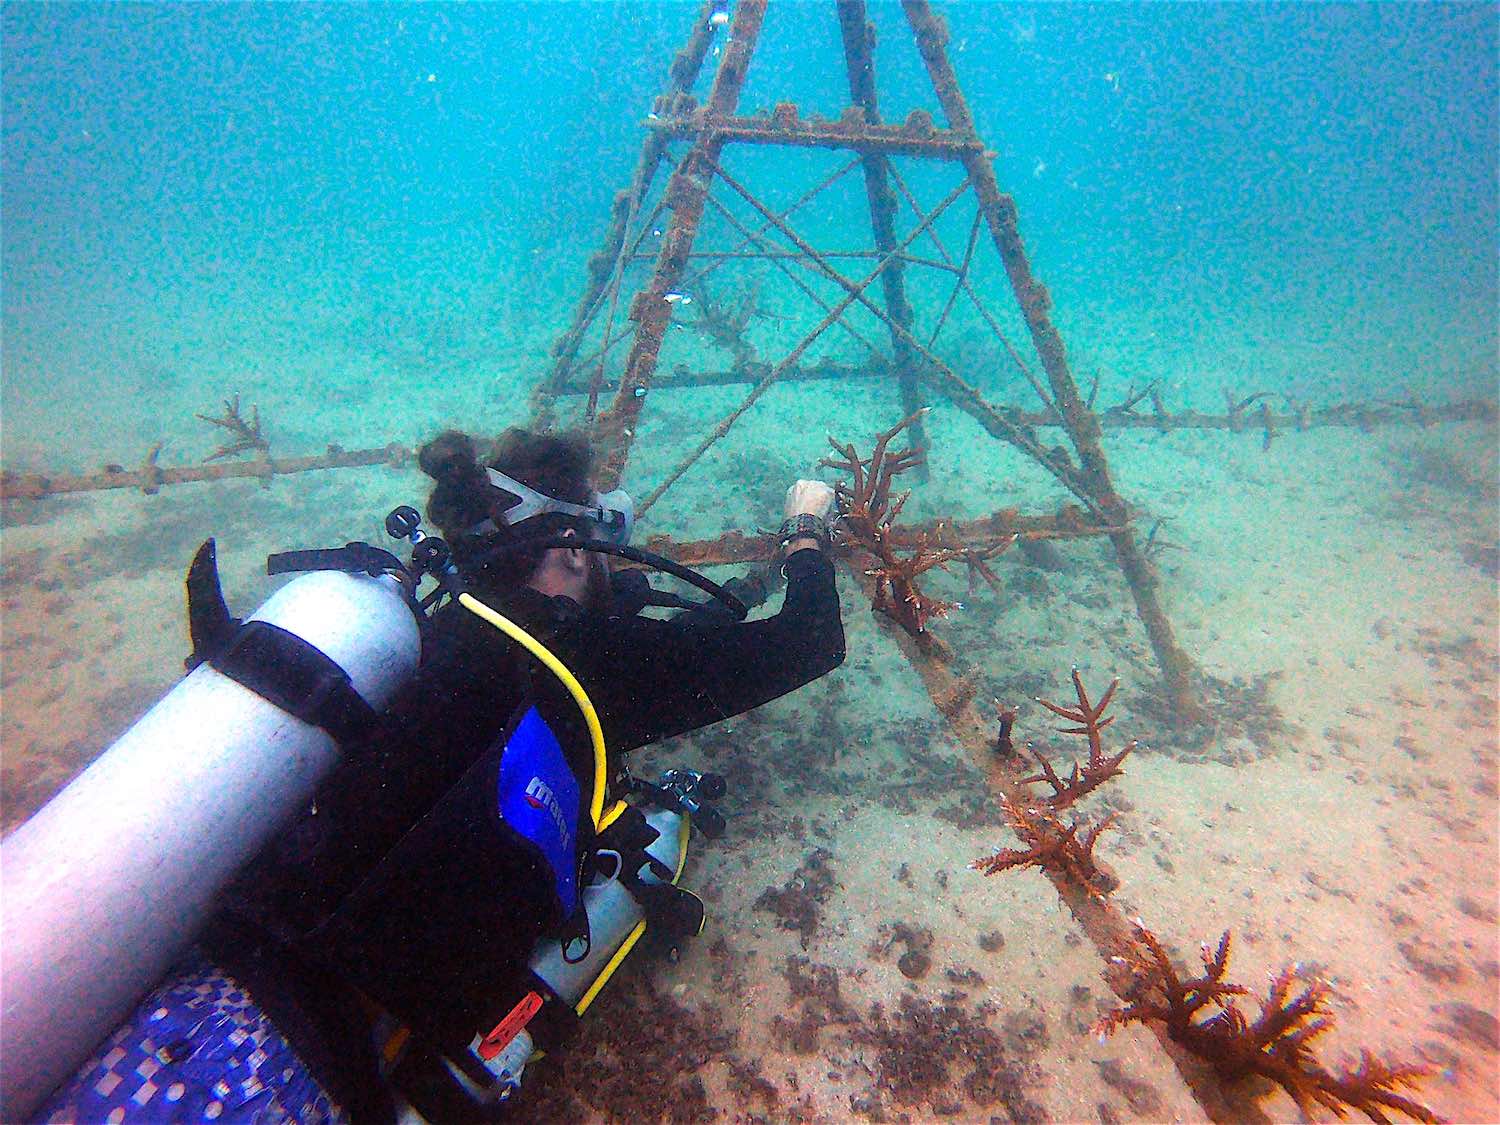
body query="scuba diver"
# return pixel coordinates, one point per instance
(441, 910)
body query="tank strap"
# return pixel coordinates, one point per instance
(276, 665)
(299, 678)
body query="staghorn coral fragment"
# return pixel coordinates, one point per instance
(246, 433)
(866, 513)
(1099, 768)
(1276, 1046)
(1052, 846)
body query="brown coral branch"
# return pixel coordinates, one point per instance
(1099, 768)
(866, 513)
(1050, 845)
(1276, 1046)
(863, 502)
(726, 325)
(246, 435)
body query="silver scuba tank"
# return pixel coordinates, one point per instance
(107, 884)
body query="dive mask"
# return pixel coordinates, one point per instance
(611, 513)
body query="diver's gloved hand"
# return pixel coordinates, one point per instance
(632, 592)
(757, 585)
(808, 497)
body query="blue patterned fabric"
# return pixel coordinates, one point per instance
(197, 1049)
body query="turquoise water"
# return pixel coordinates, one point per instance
(373, 221)
(290, 197)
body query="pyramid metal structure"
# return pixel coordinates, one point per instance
(671, 215)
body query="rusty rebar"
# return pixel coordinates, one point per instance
(1300, 418)
(962, 273)
(855, 293)
(916, 136)
(787, 212)
(859, 63)
(150, 477)
(957, 391)
(780, 263)
(614, 430)
(735, 547)
(968, 290)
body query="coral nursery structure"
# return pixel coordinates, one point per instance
(1276, 1045)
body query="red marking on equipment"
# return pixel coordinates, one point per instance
(508, 1028)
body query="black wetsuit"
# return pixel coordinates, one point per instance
(400, 840)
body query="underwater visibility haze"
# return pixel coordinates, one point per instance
(1209, 465)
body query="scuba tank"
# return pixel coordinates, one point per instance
(107, 884)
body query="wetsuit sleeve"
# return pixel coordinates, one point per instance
(653, 679)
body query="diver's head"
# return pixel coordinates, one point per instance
(528, 486)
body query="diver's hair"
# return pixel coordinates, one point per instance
(557, 465)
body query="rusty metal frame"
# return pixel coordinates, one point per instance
(150, 477)
(715, 125)
(951, 683)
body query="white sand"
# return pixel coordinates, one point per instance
(1331, 563)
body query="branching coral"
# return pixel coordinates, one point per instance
(726, 324)
(866, 512)
(1052, 846)
(1275, 1046)
(1099, 768)
(246, 436)
(1064, 849)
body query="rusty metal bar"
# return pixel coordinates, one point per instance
(1361, 416)
(788, 255)
(151, 477)
(734, 547)
(601, 267)
(1177, 667)
(952, 684)
(962, 275)
(963, 284)
(917, 136)
(859, 61)
(614, 430)
(960, 393)
(807, 196)
(792, 277)
(682, 377)
(855, 293)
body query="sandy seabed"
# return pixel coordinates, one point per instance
(853, 966)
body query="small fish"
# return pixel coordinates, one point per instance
(676, 298)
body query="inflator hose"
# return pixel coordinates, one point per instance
(569, 681)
